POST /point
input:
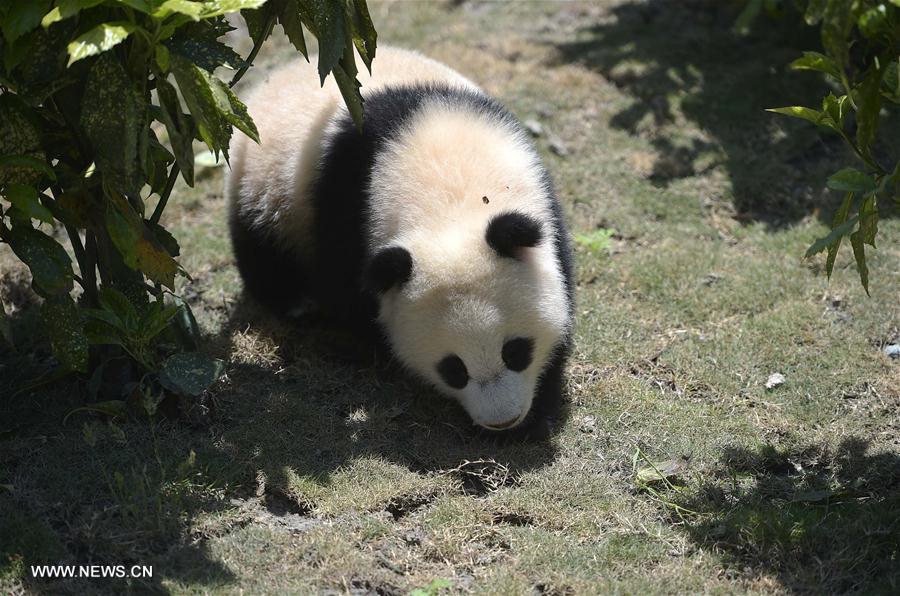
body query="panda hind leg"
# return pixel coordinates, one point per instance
(272, 275)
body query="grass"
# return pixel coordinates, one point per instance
(309, 470)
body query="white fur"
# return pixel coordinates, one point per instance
(427, 194)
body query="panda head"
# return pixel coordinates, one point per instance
(477, 312)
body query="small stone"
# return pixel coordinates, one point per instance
(588, 424)
(557, 146)
(534, 127)
(774, 380)
(892, 350)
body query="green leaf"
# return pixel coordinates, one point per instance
(65, 9)
(362, 30)
(62, 324)
(99, 39)
(50, 265)
(869, 105)
(138, 246)
(839, 217)
(868, 220)
(818, 62)
(859, 253)
(156, 319)
(112, 118)
(185, 325)
(597, 241)
(165, 238)
(21, 16)
(808, 114)
(190, 373)
(115, 302)
(193, 10)
(330, 31)
(349, 88)
(161, 53)
(179, 128)
(851, 180)
(205, 53)
(873, 21)
(25, 198)
(835, 108)
(815, 10)
(231, 108)
(214, 8)
(201, 100)
(837, 23)
(836, 233)
(25, 161)
(751, 10)
(20, 138)
(293, 27)
(661, 471)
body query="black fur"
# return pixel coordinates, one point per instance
(508, 232)
(337, 281)
(517, 353)
(390, 267)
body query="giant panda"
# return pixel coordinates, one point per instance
(435, 227)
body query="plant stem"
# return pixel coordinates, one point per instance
(173, 173)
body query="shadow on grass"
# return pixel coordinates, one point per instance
(332, 399)
(145, 492)
(821, 520)
(700, 93)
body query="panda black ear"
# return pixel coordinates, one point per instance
(391, 266)
(510, 231)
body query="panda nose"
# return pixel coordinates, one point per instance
(503, 425)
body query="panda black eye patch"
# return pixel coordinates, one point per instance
(453, 371)
(517, 353)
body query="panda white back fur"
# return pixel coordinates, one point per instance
(437, 221)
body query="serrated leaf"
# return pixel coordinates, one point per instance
(136, 243)
(836, 233)
(165, 238)
(859, 253)
(330, 31)
(362, 30)
(851, 180)
(112, 119)
(21, 16)
(349, 88)
(839, 217)
(99, 39)
(190, 373)
(65, 9)
(25, 198)
(50, 265)
(205, 53)
(201, 100)
(293, 26)
(62, 325)
(868, 220)
(181, 133)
